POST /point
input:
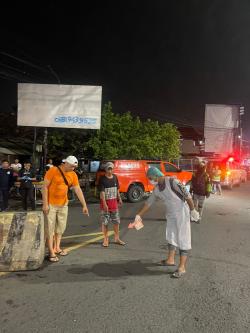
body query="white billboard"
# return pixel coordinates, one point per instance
(57, 105)
(220, 124)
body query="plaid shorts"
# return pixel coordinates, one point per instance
(110, 217)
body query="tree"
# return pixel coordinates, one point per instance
(105, 142)
(67, 141)
(127, 137)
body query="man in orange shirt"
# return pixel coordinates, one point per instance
(57, 182)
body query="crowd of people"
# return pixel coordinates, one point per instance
(21, 178)
(182, 206)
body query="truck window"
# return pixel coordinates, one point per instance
(154, 164)
(170, 168)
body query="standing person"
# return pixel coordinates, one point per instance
(49, 164)
(57, 182)
(201, 188)
(216, 180)
(179, 207)
(210, 169)
(26, 177)
(6, 181)
(16, 167)
(109, 199)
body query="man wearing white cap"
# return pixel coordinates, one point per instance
(57, 182)
(110, 197)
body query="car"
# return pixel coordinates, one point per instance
(231, 172)
(132, 176)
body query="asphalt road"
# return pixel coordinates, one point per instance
(121, 289)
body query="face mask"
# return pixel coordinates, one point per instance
(153, 182)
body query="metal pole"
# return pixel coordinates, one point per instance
(241, 113)
(34, 147)
(45, 147)
(240, 143)
(239, 135)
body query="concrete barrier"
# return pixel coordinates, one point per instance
(22, 245)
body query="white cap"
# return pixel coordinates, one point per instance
(109, 165)
(71, 160)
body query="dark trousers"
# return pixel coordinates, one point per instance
(28, 195)
(4, 198)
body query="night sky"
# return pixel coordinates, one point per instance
(159, 59)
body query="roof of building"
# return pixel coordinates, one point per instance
(193, 133)
(18, 146)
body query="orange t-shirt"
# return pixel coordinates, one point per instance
(58, 190)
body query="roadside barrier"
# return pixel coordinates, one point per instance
(22, 244)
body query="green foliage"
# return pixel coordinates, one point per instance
(120, 136)
(67, 142)
(127, 137)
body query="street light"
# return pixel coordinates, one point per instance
(241, 113)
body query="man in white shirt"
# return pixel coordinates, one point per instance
(16, 167)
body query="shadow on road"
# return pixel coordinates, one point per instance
(121, 269)
(100, 271)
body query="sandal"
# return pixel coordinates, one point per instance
(105, 243)
(164, 263)
(119, 242)
(178, 274)
(62, 253)
(53, 258)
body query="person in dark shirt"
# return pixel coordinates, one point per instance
(110, 197)
(200, 187)
(26, 176)
(6, 182)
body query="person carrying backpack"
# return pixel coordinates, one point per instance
(179, 210)
(200, 187)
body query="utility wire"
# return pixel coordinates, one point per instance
(13, 77)
(48, 70)
(24, 61)
(12, 68)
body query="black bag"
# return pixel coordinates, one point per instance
(179, 195)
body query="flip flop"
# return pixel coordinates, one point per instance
(53, 258)
(120, 243)
(164, 263)
(62, 253)
(178, 274)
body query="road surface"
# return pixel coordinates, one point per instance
(122, 289)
